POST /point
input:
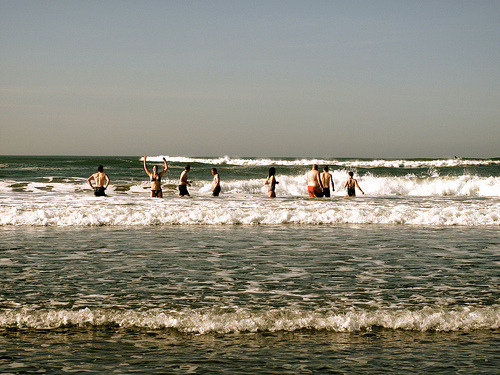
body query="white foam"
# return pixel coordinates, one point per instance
(140, 210)
(205, 321)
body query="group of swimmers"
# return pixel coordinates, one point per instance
(101, 181)
(318, 184)
(184, 182)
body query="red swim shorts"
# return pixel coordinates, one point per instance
(314, 192)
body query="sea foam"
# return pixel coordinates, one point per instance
(143, 211)
(205, 321)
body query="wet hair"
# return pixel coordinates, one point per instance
(100, 168)
(315, 167)
(214, 170)
(351, 174)
(272, 171)
(187, 167)
(325, 168)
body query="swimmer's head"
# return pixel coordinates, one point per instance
(100, 168)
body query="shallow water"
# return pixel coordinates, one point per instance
(239, 299)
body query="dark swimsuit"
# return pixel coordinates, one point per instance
(99, 191)
(326, 192)
(216, 191)
(155, 193)
(351, 192)
(183, 190)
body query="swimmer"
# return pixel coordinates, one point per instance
(314, 186)
(351, 185)
(326, 181)
(271, 181)
(101, 181)
(184, 182)
(155, 178)
(215, 183)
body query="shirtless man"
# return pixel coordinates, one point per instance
(326, 181)
(101, 181)
(184, 182)
(215, 183)
(351, 185)
(155, 178)
(314, 186)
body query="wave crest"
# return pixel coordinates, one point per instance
(289, 320)
(356, 163)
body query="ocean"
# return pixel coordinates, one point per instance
(403, 279)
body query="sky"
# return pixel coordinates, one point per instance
(377, 79)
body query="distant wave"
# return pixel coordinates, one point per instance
(356, 163)
(244, 320)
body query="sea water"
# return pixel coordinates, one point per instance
(403, 279)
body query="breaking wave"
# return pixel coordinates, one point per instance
(244, 320)
(207, 211)
(359, 163)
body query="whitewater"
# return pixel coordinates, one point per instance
(54, 192)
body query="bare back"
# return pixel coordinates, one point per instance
(313, 178)
(351, 183)
(100, 179)
(325, 179)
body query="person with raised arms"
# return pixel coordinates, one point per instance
(155, 178)
(101, 181)
(314, 186)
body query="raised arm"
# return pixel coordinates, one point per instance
(146, 167)
(165, 168)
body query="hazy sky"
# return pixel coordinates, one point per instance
(250, 78)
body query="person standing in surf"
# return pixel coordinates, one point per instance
(326, 181)
(101, 181)
(155, 178)
(271, 181)
(184, 182)
(351, 185)
(215, 183)
(314, 186)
